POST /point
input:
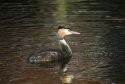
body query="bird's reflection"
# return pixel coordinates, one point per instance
(67, 78)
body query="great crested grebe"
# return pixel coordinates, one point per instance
(52, 57)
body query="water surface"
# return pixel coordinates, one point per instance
(98, 53)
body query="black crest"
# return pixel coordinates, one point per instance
(62, 27)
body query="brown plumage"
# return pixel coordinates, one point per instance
(46, 58)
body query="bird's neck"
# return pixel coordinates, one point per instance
(64, 46)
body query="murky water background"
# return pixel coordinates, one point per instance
(98, 53)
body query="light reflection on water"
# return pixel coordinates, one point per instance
(97, 52)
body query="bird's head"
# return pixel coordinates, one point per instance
(62, 31)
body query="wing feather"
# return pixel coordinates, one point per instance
(48, 58)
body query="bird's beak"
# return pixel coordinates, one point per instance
(73, 32)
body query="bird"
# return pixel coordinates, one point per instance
(50, 58)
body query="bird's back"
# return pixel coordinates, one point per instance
(46, 58)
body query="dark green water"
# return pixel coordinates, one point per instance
(98, 53)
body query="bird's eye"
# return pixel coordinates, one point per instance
(69, 30)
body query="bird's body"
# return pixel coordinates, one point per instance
(53, 57)
(47, 58)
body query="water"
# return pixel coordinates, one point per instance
(98, 53)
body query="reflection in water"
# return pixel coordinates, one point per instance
(67, 78)
(98, 53)
(60, 14)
